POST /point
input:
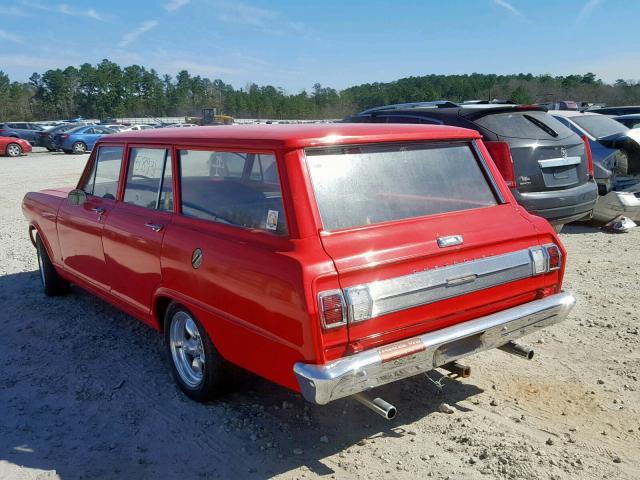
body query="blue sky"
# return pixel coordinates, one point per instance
(293, 44)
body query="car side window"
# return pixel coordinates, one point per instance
(105, 173)
(234, 188)
(149, 180)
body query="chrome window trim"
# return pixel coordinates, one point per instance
(559, 162)
(430, 286)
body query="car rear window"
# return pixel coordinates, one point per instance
(533, 124)
(363, 185)
(599, 126)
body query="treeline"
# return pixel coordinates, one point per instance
(108, 90)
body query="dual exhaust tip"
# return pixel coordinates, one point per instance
(388, 411)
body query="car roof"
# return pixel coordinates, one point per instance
(448, 108)
(572, 113)
(293, 135)
(630, 116)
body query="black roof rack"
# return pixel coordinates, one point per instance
(404, 106)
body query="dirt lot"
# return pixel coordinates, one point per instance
(85, 391)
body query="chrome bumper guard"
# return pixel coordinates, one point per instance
(346, 376)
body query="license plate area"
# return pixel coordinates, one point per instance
(457, 349)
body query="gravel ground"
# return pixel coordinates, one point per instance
(85, 390)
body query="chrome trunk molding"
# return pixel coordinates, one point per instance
(421, 288)
(346, 376)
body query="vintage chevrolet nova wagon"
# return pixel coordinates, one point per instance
(329, 258)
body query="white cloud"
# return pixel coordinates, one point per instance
(11, 37)
(28, 61)
(133, 35)
(240, 13)
(65, 9)
(587, 8)
(507, 6)
(172, 5)
(14, 11)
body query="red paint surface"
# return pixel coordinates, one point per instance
(256, 293)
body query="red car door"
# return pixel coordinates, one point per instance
(135, 228)
(80, 226)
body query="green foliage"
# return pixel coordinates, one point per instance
(108, 90)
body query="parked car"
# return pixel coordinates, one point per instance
(134, 128)
(615, 148)
(14, 147)
(115, 126)
(25, 130)
(80, 139)
(181, 125)
(624, 110)
(349, 256)
(631, 120)
(544, 163)
(46, 136)
(561, 105)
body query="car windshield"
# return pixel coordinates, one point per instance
(77, 129)
(363, 185)
(599, 126)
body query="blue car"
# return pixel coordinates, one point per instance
(80, 139)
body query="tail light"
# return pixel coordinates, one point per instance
(64, 136)
(501, 154)
(546, 258)
(332, 309)
(587, 149)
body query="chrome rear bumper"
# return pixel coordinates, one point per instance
(349, 375)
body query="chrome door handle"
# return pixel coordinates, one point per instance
(156, 227)
(98, 210)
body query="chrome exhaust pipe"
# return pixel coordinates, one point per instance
(378, 405)
(518, 350)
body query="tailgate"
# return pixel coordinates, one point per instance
(420, 237)
(408, 282)
(548, 165)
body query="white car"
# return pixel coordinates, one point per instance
(134, 128)
(181, 125)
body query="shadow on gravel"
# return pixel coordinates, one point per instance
(85, 390)
(581, 228)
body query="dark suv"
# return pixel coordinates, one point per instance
(545, 164)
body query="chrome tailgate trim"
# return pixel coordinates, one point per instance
(430, 286)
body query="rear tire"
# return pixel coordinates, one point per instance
(52, 283)
(79, 148)
(197, 367)
(14, 150)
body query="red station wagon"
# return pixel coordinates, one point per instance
(329, 259)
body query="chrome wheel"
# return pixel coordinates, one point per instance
(13, 150)
(79, 147)
(186, 347)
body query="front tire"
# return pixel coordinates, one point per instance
(197, 367)
(14, 150)
(79, 147)
(51, 149)
(52, 283)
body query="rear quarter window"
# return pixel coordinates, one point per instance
(533, 125)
